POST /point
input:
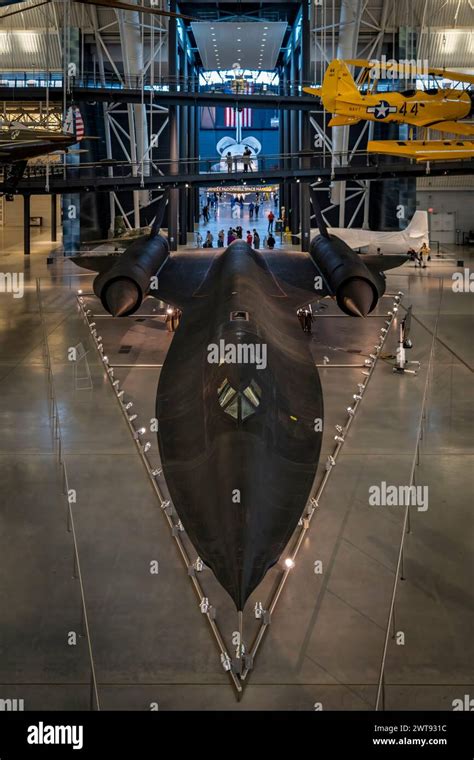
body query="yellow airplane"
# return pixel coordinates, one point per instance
(424, 150)
(437, 108)
(440, 109)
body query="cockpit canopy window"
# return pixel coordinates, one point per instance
(239, 404)
(239, 316)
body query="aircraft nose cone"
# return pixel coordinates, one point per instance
(121, 297)
(355, 297)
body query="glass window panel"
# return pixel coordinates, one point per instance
(246, 408)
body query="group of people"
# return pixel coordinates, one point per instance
(232, 162)
(421, 257)
(236, 233)
(252, 237)
(254, 209)
(211, 205)
(305, 316)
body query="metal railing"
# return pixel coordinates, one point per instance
(313, 505)
(311, 163)
(166, 507)
(399, 570)
(190, 85)
(58, 442)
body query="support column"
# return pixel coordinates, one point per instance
(132, 49)
(54, 217)
(191, 154)
(196, 153)
(173, 205)
(294, 148)
(26, 225)
(349, 23)
(305, 131)
(183, 147)
(285, 142)
(71, 202)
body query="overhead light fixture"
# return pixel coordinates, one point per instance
(289, 563)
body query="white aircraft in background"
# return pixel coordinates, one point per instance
(400, 241)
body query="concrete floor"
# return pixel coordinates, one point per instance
(150, 642)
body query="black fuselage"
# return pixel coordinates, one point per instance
(238, 405)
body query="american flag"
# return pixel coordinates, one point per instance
(74, 123)
(79, 124)
(230, 117)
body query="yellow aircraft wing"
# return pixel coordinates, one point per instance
(424, 150)
(454, 127)
(454, 75)
(316, 91)
(340, 121)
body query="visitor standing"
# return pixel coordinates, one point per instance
(271, 219)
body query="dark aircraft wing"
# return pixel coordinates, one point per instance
(183, 275)
(293, 276)
(377, 263)
(178, 281)
(297, 270)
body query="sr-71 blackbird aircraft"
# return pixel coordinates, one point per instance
(239, 396)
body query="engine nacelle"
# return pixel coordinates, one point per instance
(123, 287)
(345, 275)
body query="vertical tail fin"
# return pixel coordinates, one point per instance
(338, 84)
(73, 123)
(418, 223)
(318, 213)
(160, 214)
